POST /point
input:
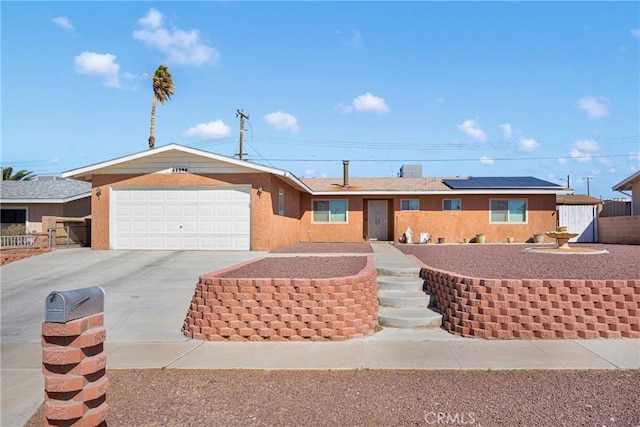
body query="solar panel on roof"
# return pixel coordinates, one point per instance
(498, 182)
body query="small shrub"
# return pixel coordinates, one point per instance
(14, 230)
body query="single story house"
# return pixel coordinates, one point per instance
(623, 229)
(27, 202)
(631, 183)
(177, 197)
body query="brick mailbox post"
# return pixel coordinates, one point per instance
(73, 358)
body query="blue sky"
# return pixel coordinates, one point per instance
(546, 89)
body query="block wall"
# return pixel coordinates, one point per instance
(499, 308)
(284, 309)
(623, 230)
(74, 364)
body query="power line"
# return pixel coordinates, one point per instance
(474, 159)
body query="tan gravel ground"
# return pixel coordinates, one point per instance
(229, 398)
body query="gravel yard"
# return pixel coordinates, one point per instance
(300, 267)
(493, 261)
(173, 397)
(370, 398)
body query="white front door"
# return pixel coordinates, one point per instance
(181, 218)
(377, 220)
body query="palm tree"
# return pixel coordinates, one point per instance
(162, 90)
(21, 175)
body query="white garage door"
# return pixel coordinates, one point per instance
(181, 218)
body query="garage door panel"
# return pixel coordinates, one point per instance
(181, 218)
(156, 210)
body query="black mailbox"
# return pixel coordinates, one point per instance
(60, 307)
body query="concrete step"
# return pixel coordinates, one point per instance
(398, 283)
(406, 299)
(399, 271)
(409, 317)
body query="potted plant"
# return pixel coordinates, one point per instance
(510, 239)
(480, 238)
(538, 238)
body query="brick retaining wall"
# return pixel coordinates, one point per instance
(74, 364)
(283, 309)
(506, 308)
(15, 254)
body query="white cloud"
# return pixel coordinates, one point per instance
(527, 144)
(634, 156)
(283, 121)
(367, 103)
(370, 103)
(354, 39)
(506, 130)
(580, 156)
(587, 145)
(101, 64)
(213, 130)
(309, 172)
(486, 160)
(63, 22)
(596, 107)
(472, 128)
(181, 47)
(562, 160)
(583, 150)
(635, 32)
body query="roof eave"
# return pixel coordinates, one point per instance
(556, 192)
(625, 184)
(86, 173)
(47, 201)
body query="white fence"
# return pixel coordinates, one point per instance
(18, 241)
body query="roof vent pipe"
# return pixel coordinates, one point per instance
(345, 173)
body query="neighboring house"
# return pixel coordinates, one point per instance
(623, 229)
(176, 197)
(631, 183)
(579, 213)
(27, 202)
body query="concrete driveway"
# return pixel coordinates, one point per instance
(147, 293)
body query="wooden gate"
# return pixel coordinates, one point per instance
(581, 219)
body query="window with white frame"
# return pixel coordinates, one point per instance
(508, 210)
(330, 211)
(280, 201)
(451, 205)
(410, 205)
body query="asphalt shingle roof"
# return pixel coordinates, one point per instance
(377, 184)
(56, 189)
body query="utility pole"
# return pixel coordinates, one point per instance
(568, 183)
(242, 115)
(588, 178)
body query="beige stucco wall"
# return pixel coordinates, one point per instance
(35, 212)
(635, 199)
(78, 208)
(453, 226)
(352, 231)
(264, 234)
